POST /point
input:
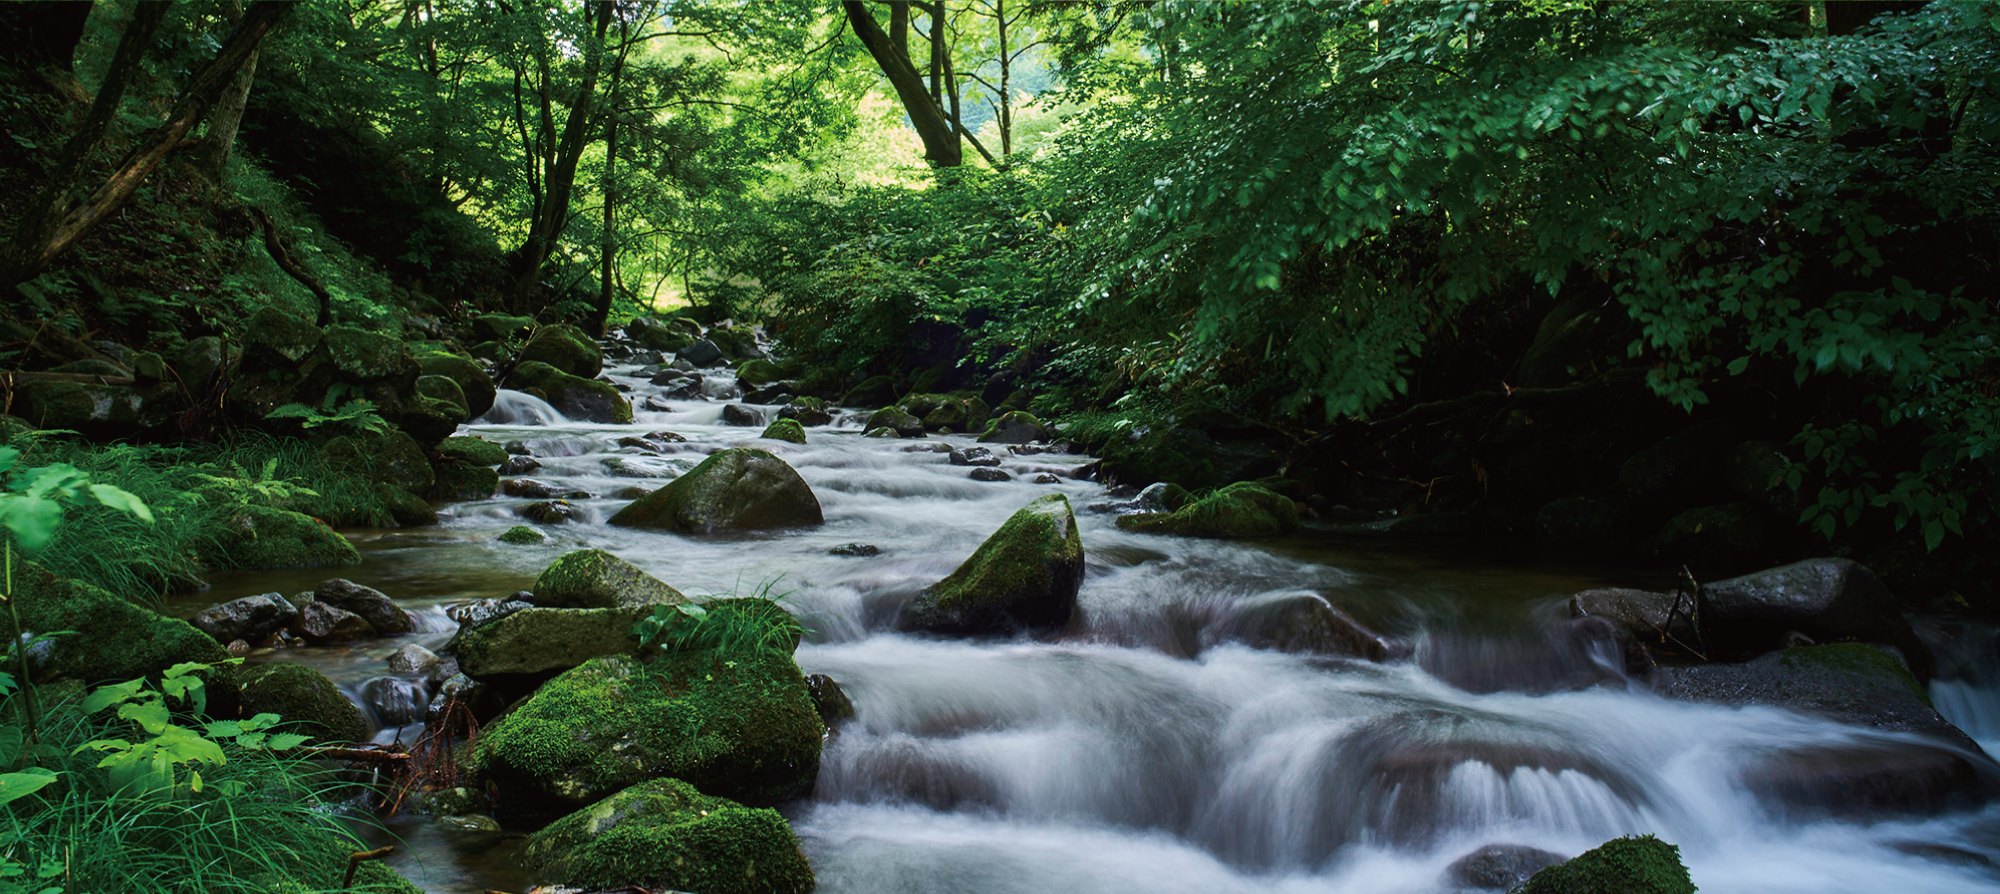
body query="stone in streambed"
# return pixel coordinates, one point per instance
(573, 396)
(593, 578)
(535, 642)
(301, 696)
(1014, 427)
(567, 348)
(1641, 614)
(472, 379)
(261, 537)
(895, 419)
(1024, 576)
(1828, 600)
(522, 534)
(250, 618)
(1306, 622)
(785, 430)
(1499, 867)
(740, 415)
(371, 604)
(666, 834)
(477, 451)
(1241, 510)
(412, 660)
(734, 490)
(322, 625)
(1640, 865)
(983, 474)
(468, 615)
(519, 465)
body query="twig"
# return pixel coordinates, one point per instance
(354, 861)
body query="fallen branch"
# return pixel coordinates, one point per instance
(292, 267)
(357, 754)
(355, 860)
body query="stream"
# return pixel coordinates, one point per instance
(1145, 748)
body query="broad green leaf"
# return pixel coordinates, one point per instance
(15, 786)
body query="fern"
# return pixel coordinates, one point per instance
(354, 415)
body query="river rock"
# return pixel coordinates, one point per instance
(371, 604)
(829, 700)
(251, 618)
(519, 465)
(1641, 614)
(530, 488)
(702, 353)
(412, 660)
(146, 642)
(534, 642)
(665, 834)
(741, 488)
(479, 611)
(574, 396)
(394, 701)
(456, 689)
(567, 348)
(301, 696)
(472, 379)
(476, 451)
(1306, 622)
(1162, 496)
(785, 430)
(322, 624)
(1828, 600)
(262, 537)
(973, 456)
(1014, 427)
(807, 414)
(656, 403)
(1047, 478)
(747, 730)
(738, 414)
(1499, 867)
(549, 512)
(656, 335)
(855, 550)
(895, 419)
(1024, 576)
(523, 535)
(1241, 510)
(1855, 683)
(593, 578)
(989, 475)
(1638, 865)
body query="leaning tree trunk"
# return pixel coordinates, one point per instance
(940, 138)
(559, 180)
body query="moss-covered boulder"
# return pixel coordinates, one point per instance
(410, 511)
(391, 457)
(895, 419)
(1638, 865)
(735, 344)
(1014, 427)
(1024, 576)
(1828, 600)
(146, 642)
(471, 378)
(364, 356)
(739, 725)
(462, 481)
(536, 642)
(593, 578)
(666, 834)
(500, 327)
(578, 398)
(785, 430)
(477, 451)
(656, 335)
(262, 537)
(98, 410)
(12, 427)
(444, 390)
(302, 697)
(274, 339)
(1244, 509)
(758, 373)
(951, 414)
(522, 534)
(738, 489)
(808, 411)
(567, 348)
(876, 391)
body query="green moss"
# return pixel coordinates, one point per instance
(500, 327)
(459, 481)
(275, 339)
(593, 578)
(391, 457)
(444, 390)
(897, 419)
(1244, 509)
(1026, 574)
(363, 356)
(477, 451)
(303, 697)
(471, 378)
(523, 534)
(576, 397)
(566, 348)
(261, 537)
(757, 373)
(785, 430)
(1861, 659)
(538, 641)
(739, 725)
(1637, 865)
(664, 833)
(1013, 427)
(146, 642)
(408, 509)
(950, 414)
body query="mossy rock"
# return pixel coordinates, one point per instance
(408, 509)
(94, 366)
(500, 327)
(443, 389)
(1024, 576)
(738, 489)
(578, 398)
(474, 451)
(261, 537)
(785, 430)
(149, 367)
(759, 372)
(464, 481)
(472, 379)
(491, 352)
(104, 411)
(876, 391)
(951, 414)
(391, 457)
(532, 643)
(659, 336)
(736, 344)
(897, 419)
(1241, 510)
(363, 356)
(12, 427)
(739, 725)
(593, 578)
(274, 339)
(664, 833)
(198, 361)
(1014, 427)
(567, 348)
(920, 404)
(1637, 865)
(302, 697)
(522, 534)
(146, 642)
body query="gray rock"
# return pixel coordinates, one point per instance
(528, 487)
(973, 456)
(1047, 478)
(252, 618)
(859, 550)
(481, 611)
(322, 624)
(1306, 622)
(394, 701)
(737, 414)
(702, 353)
(520, 465)
(984, 474)
(371, 604)
(551, 512)
(1828, 600)
(828, 699)
(457, 688)
(413, 660)
(1499, 867)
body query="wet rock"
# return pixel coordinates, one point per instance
(469, 822)
(702, 353)
(412, 660)
(1306, 622)
(550, 512)
(322, 624)
(855, 550)
(1162, 496)
(1640, 865)
(249, 618)
(670, 376)
(973, 456)
(1014, 427)
(457, 689)
(471, 378)
(301, 696)
(370, 604)
(881, 432)
(1854, 683)
(593, 578)
(737, 414)
(655, 403)
(1829, 600)
(1047, 478)
(1641, 614)
(1024, 576)
(1499, 867)
(666, 834)
(807, 414)
(894, 418)
(538, 641)
(261, 537)
(477, 451)
(574, 396)
(500, 327)
(989, 475)
(747, 731)
(442, 388)
(785, 430)
(146, 642)
(828, 699)
(657, 335)
(522, 534)
(876, 391)
(632, 492)
(1241, 510)
(480, 611)
(635, 467)
(949, 414)
(517, 448)
(736, 489)
(394, 701)
(458, 482)
(566, 348)
(1864, 780)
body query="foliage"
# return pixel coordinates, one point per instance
(149, 768)
(354, 416)
(728, 625)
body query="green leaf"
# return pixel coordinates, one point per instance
(120, 499)
(105, 696)
(15, 786)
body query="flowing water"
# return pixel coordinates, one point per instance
(1147, 748)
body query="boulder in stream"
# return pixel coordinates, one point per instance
(739, 723)
(477, 451)
(895, 419)
(1828, 600)
(785, 430)
(1014, 427)
(261, 537)
(250, 618)
(593, 578)
(371, 604)
(322, 624)
(1306, 622)
(574, 396)
(301, 696)
(1024, 576)
(738, 489)
(667, 834)
(1636, 865)
(412, 660)
(565, 347)
(740, 415)
(1499, 867)
(1241, 510)
(535, 642)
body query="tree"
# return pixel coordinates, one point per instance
(941, 130)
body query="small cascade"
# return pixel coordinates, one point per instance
(516, 408)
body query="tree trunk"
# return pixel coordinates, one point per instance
(940, 138)
(600, 316)
(212, 154)
(559, 174)
(42, 35)
(1006, 67)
